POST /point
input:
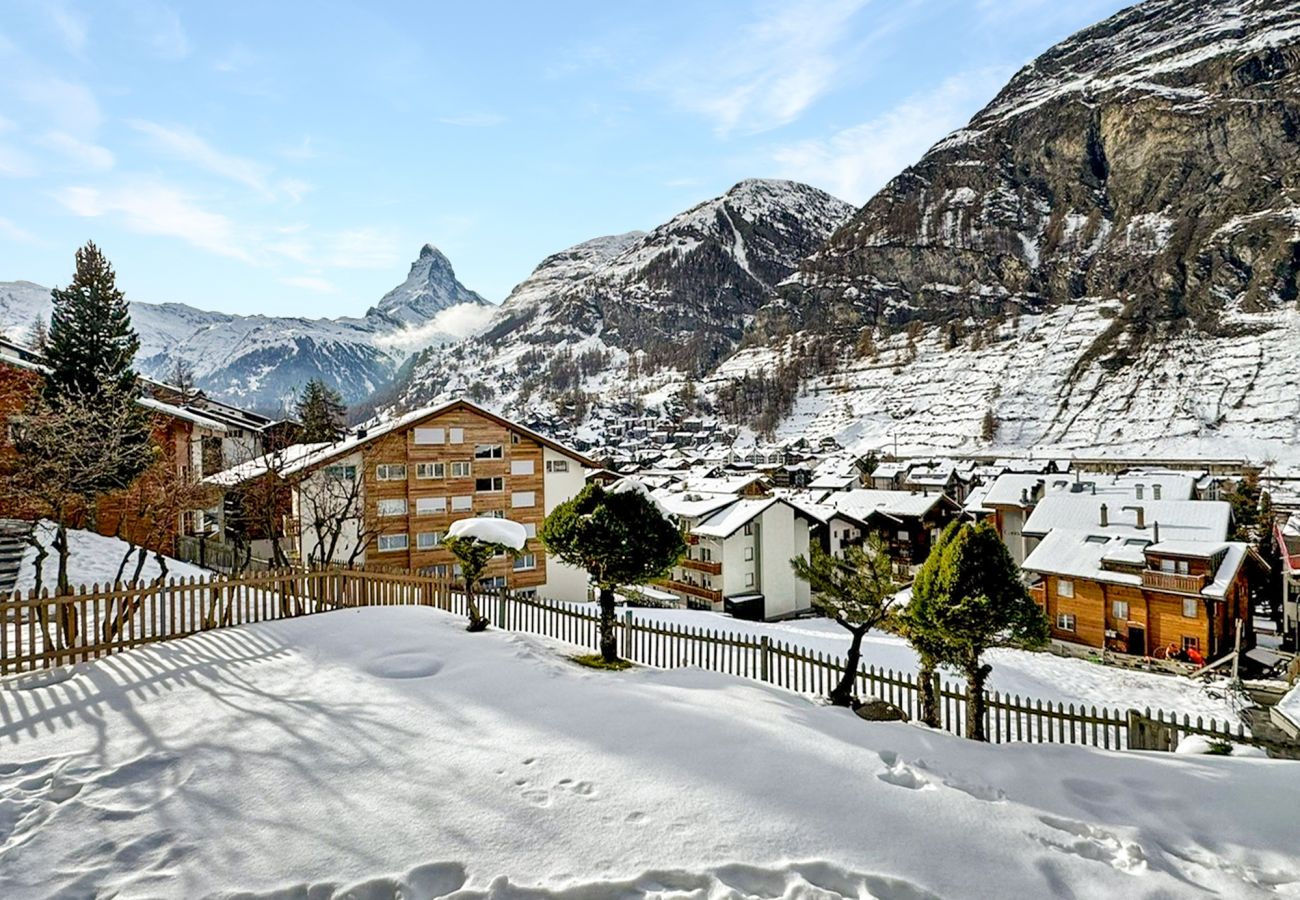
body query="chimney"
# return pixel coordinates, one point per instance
(1024, 496)
(1105, 516)
(1155, 533)
(1138, 488)
(1141, 515)
(1155, 492)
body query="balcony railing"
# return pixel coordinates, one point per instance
(703, 565)
(1170, 581)
(694, 590)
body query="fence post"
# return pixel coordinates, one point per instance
(627, 634)
(764, 669)
(502, 597)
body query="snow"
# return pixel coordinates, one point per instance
(93, 559)
(490, 531)
(1040, 676)
(383, 752)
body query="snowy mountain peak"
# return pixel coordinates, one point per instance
(430, 287)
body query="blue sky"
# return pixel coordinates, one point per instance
(292, 158)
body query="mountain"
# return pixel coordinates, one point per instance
(261, 362)
(1104, 258)
(676, 300)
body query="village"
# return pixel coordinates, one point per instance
(1189, 569)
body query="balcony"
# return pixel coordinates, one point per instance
(1169, 581)
(702, 565)
(693, 590)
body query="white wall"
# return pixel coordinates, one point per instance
(782, 537)
(563, 582)
(314, 485)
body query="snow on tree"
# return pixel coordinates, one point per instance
(322, 412)
(474, 542)
(856, 592)
(620, 537)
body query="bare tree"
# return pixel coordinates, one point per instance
(332, 511)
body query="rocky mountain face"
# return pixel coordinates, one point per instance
(676, 300)
(1131, 197)
(261, 362)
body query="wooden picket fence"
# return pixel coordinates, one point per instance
(39, 632)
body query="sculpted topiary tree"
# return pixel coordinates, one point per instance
(474, 542)
(856, 592)
(975, 602)
(619, 537)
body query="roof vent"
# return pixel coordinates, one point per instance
(361, 432)
(1105, 516)
(1141, 515)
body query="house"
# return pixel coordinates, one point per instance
(908, 522)
(1152, 578)
(387, 494)
(738, 553)
(1288, 543)
(888, 476)
(939, 477)
(833, 529)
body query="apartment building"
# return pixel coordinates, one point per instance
(388, 494)
(738, 553)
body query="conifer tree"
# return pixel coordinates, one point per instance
(91, 345)
(39, 336)
(856, 592)
(322, 412)
(917, 625)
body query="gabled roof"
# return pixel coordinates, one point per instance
(863, 503)
(726, 522)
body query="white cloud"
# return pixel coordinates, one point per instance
(856, 162)
(159, 209)
(460, 321)
(185, 145)
(311, 283)
(474, 120)
(9, 230)
(68, 105)
(776, 67)
(84, 154)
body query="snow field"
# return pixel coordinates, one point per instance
(384, 752)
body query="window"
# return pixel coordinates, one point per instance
(462, 503)
(391, 542)
(514, 438)
(430, 470)
(427, 540)
(1166, 565)
(525, 561)
(497, 581)
(521, 467)
(395, 507)
(521, 499)
(390, 471)
(1181, 567)
(706, 554)
(1064, 588)
(1064, 622)
(457, 436)
(430, 436)
(749, 579)
(904, 536)
(749, 529)
(495, 514)
(530, 529)
(495, 483)
(557, 465)
(1191, 643)
(341, 473)
(487, 451)
(749, 553)
(1119, 610)
(428, 506)
(460, 470)
(1096, 539)
(1191, 607)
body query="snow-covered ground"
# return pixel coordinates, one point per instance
(93, 559)
(380, 753)
(1040, 676)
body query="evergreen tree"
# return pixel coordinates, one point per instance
(856, 592)
(619, 537)
(39, 336)
(916, 623)
(181, 377)
(322, 412)
(91, 344)
(976, 602)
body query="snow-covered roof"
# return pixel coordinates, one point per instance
(182, 412)
(688, 505)
(728, 521)
(1195, 520)
(278, 461)
(863, 502)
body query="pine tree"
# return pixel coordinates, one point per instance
(916, 623)
(619, 537)
(856, 592)
(989, 426)
(38, 337)
(322, 412)
(181, 377)
(91, 344)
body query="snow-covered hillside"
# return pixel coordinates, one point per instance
(262, 361)
(385, 753)
(678, 297)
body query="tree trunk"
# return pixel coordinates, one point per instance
(976, 675)
(477, 621)
(139, 567)
(61, 547)
(842, 693)
(67, 611)
(608, 637)
(928, 691)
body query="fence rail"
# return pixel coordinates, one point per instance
(42, 631)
